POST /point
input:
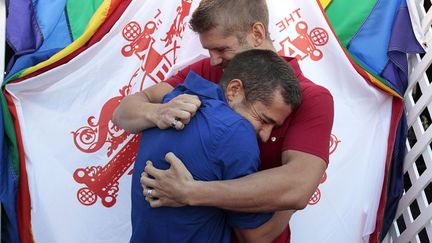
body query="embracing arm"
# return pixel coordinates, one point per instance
(289, 186)
(136, 112)
(266, 232)
(286, 187)
(143, 110)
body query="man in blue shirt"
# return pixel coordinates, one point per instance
(259, 91)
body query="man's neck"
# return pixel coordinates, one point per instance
(268, 45)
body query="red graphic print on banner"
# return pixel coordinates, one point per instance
(306, 43)
(179, 25)
(334, 141)
(140, 40)
(103, 181)
(315, 197)
(155, 63)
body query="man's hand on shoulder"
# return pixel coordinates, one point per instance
(169, 188)
(143, 110)
(177, 112)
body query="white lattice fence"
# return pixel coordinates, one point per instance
(414, 215)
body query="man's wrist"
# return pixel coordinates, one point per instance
(153, 114)
(193, 192)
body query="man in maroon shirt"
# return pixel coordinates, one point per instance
(294, 156)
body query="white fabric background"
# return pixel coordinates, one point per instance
(52, 105)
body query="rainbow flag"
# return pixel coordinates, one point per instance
(8, 180)
(36, 30)
(42, 34)
(379, 35)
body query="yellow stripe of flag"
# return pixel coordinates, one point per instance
(325, 3)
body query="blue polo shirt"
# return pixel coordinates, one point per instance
(217, 144)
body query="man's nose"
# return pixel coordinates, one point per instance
(215, 59)
(265, 132)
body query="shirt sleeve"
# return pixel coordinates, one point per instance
(310, 130)
(179, 77)
(239, 156)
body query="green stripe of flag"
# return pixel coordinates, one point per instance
(79, 13)
(347, 16)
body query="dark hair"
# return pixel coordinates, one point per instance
(263, 72)
(236, 17)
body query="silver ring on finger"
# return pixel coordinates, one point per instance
(150, 192)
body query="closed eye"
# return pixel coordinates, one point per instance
(220, 50)
(267, 120)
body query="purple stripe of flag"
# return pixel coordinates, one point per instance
(22, 30)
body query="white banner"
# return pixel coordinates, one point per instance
(79, 163)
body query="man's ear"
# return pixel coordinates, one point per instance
(258, 34)
(235, 91)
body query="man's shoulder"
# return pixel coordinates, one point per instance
(218, 113)
(220, 122)
(233, 139)
(206, 70)
(202, 68)
(316, 104)
(311, 89)
(315, 99)
(226, 131)
(307, 86)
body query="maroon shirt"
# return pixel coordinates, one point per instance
(307, 129)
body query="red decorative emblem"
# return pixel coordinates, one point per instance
(306, 43)
(178, 26)
(155, 63)
(103, 181)
(315, 197)
(140, 40)
(334, 142)
(324, 178)
(317, 194)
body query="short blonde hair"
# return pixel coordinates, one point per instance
(236, 17)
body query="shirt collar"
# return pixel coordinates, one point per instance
(203, 87)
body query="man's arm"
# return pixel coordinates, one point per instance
(266, 232)
(143, 110)
(286, 187)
